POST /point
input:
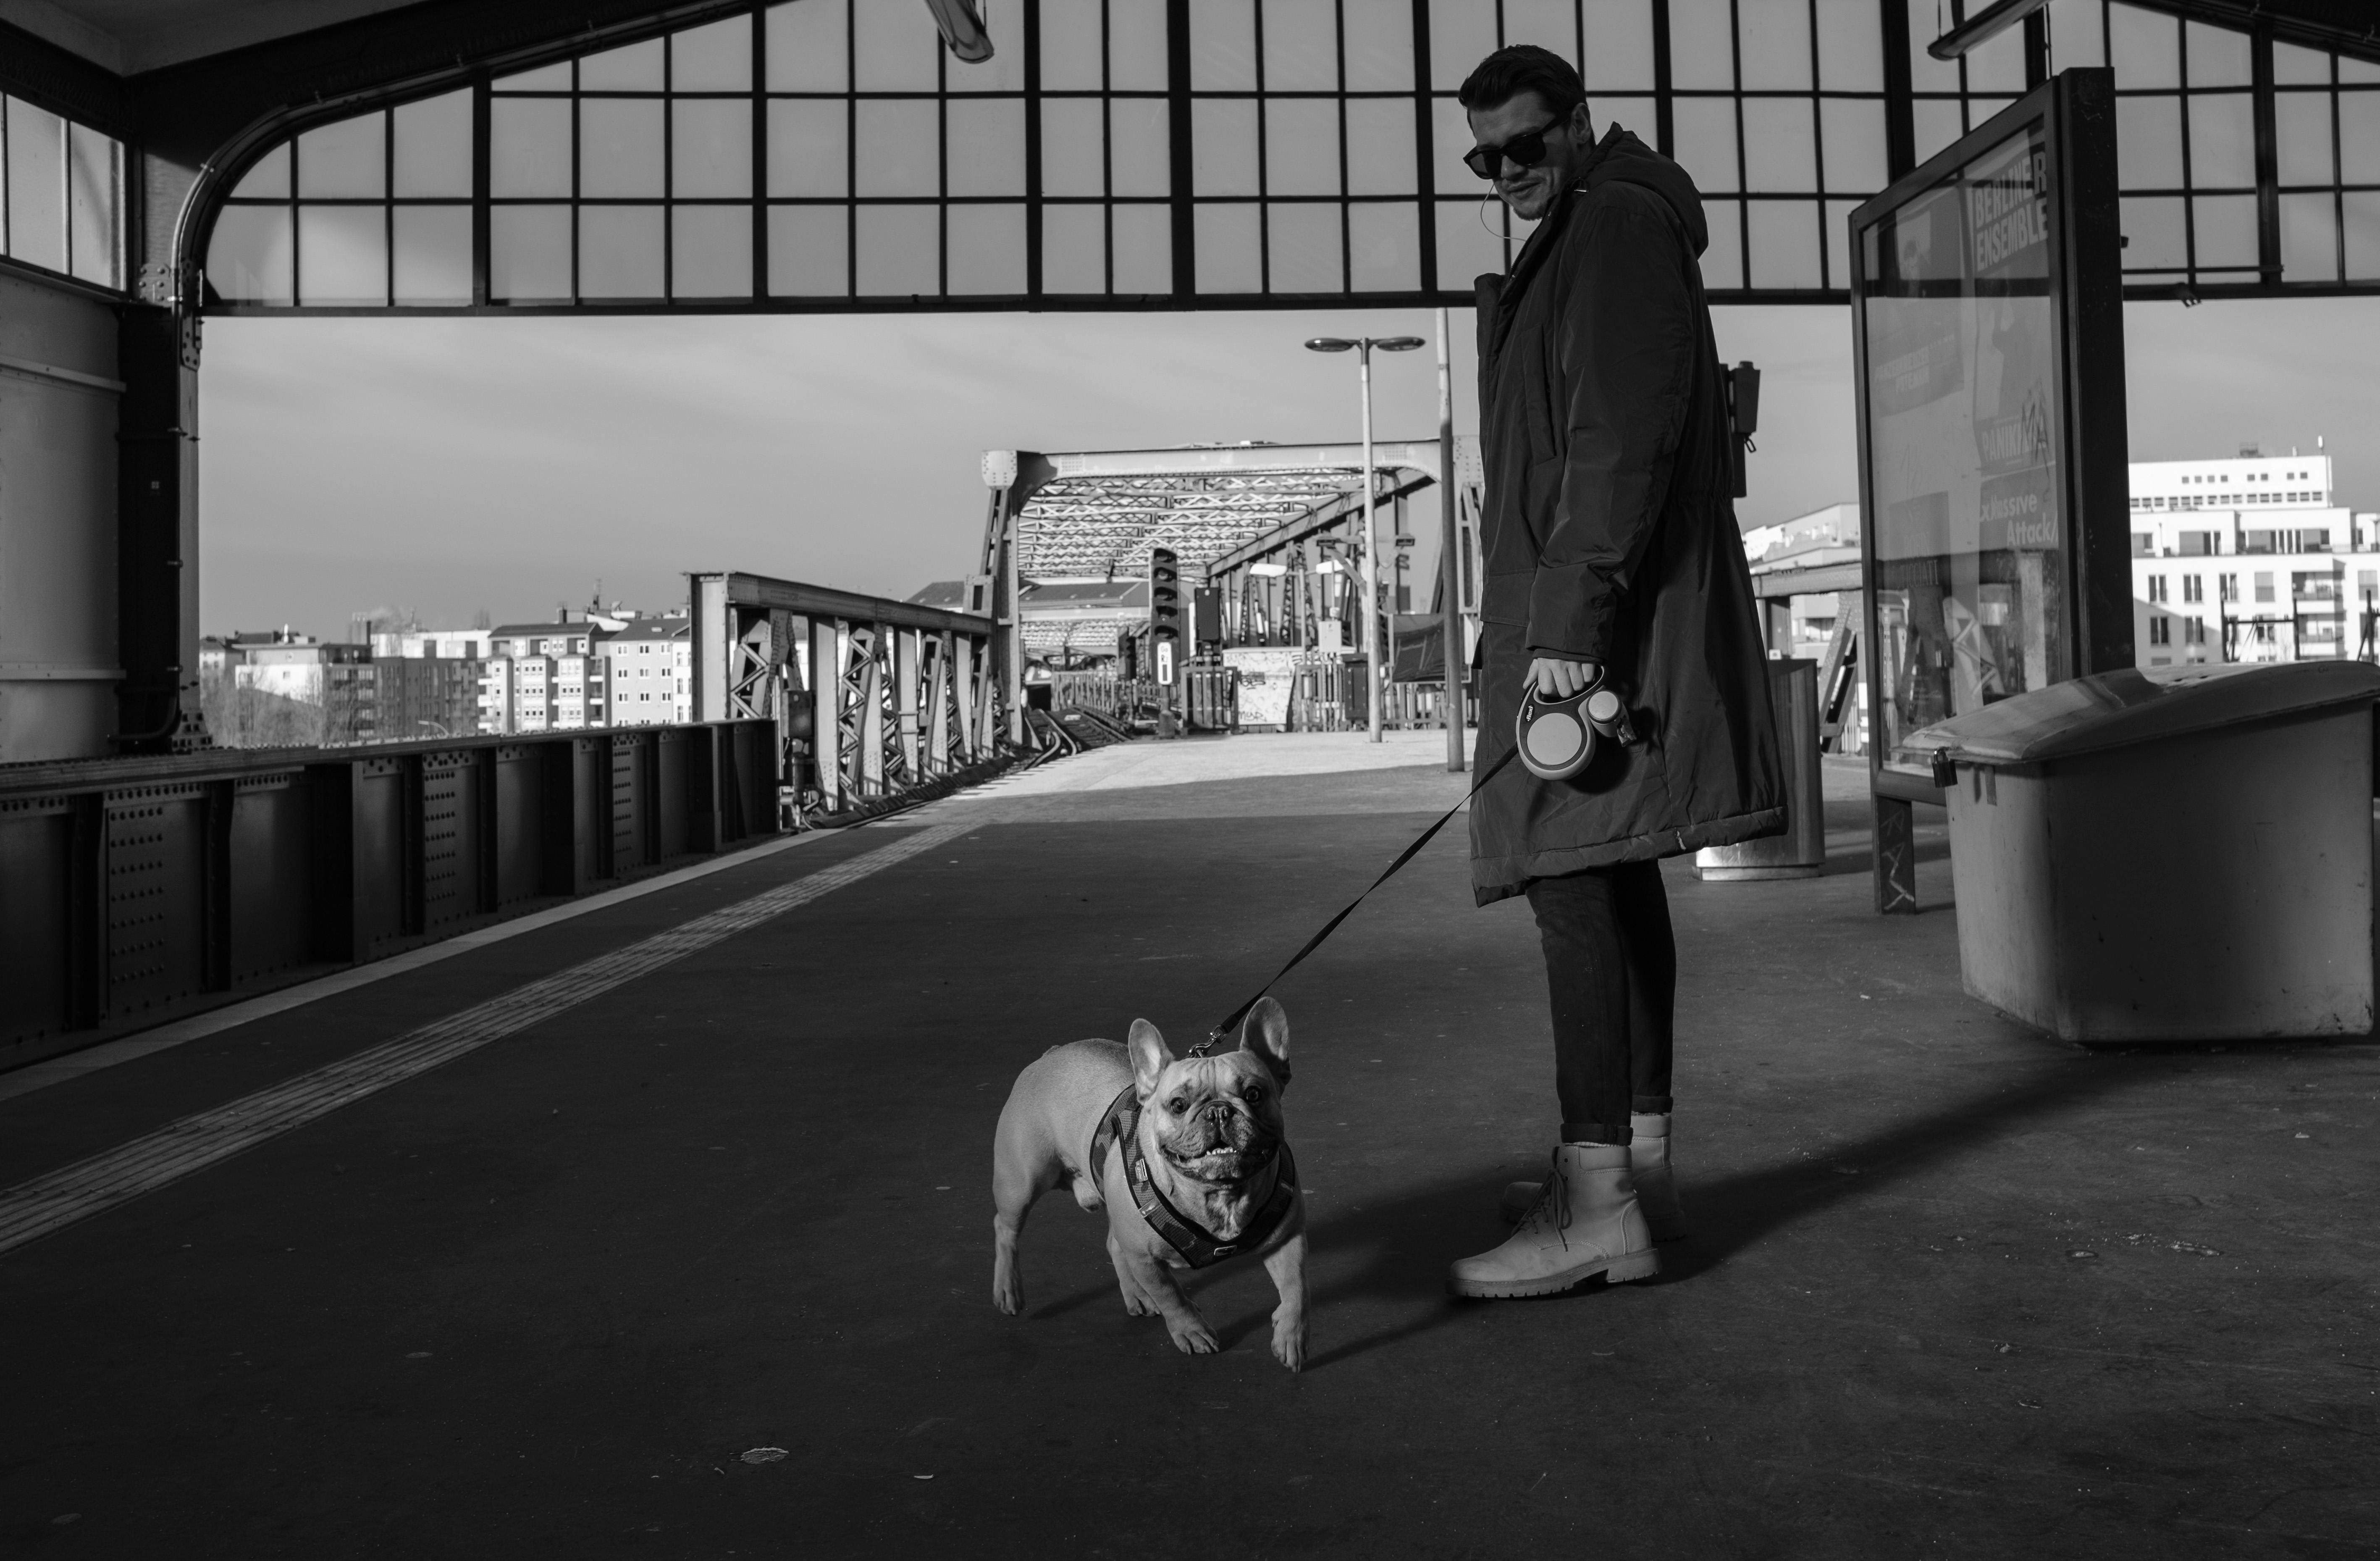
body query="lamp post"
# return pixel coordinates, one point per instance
(1362, 347)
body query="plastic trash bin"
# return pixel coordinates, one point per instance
(2180, 854)
(1800, 851)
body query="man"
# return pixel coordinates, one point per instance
(1611, 556)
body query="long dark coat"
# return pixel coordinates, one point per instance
(1610, 535)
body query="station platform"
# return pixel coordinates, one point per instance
(548, 1243)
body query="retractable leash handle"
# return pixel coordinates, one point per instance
(1557, 738)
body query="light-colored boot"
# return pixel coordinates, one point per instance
(1584, 1221)
(1648, 1161)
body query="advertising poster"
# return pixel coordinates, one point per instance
(1963, 370)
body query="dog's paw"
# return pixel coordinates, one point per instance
(1008, 1294)
(1195, 1338)
(1289, 1346)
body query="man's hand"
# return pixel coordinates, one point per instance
(1560, 679)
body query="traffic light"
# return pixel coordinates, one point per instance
(1206, 620)
(1164, 615)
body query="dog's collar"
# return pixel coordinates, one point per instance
(1198, 1248)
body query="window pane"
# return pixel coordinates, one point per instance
(900, 249)
(434, 254)
(807, 146)
(1140, 158)
(1853, 129)
(1384, 247)
(1074, 247)
(1780, 149)
(1838, 244)
(1702, 44)
(1466, 247)
(248, 255)
(1004, 71)
(619, 147)
(1619, 47)
(1302, 146)
(1379, 46)
(2309, 239)
(2226, 231)
(1997, 65)
(1450, 139)
(620, 251)
(2301, 127)
(807, 249)
(1785, 244)
(2362, 231)
(37, 178)
(1137, 50)
(1070, 53)
(710, 147)
(2147, 48)
(433, 146)
(1705, 128)
(2152, 233)
(343, 254)
(1549, 24)
(898, 149)
(1227, 249)
(987, 251)
(268, 179)
(898, 50)
(2076, 39)
(1462, 33)
(987, 147)
(1222, 50)
(95, 186)
(711, 251)
(1723, 261)
(1070, 147)
(528, 147)
(1776, 46)
(634, 68)
(1222, 149)
(528, 254)
(2302, 67)
(1143, 241)
(717, 58)
(2219, 56)
(1851, 46)
(1937, 124)
(1305, 249)
(544, 78)
(1639, 115)
(1380, 146)
(2148, 143)
(806, 48)
(2359, 137)
(344, 159)
(2222, 140)
(1301, 45)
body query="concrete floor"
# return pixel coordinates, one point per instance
(1954, 1290)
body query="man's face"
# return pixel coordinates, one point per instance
(1531, 192)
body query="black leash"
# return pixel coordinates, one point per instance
(1236, 1015)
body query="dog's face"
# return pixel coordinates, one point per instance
(1216, 1119)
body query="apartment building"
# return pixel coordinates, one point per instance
(649, 668)
(543, 678)
(2248, 560)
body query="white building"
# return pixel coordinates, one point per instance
(649, 668)
(2248, 560)
(543, 677)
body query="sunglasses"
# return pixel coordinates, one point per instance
(1525, 151)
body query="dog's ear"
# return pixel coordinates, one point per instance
(1150, 1057)
(1266, 1033)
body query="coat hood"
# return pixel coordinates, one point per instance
(1621, 157)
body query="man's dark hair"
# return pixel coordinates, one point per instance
(1523, 67)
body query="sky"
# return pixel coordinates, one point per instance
(448, 466)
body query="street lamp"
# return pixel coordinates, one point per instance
(1362, 347)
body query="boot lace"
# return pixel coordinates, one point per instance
(1552, 1211)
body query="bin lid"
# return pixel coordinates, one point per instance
(2112, 709)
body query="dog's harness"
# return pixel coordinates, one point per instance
(1121, 1124)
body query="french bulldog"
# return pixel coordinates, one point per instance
(1209, 1133)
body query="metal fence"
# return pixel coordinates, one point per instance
(134, 889)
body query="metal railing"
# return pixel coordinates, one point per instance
(132, 890)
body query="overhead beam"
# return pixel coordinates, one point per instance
(825, 601)
(1321, 519)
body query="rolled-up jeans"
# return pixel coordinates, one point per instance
(1611, 969)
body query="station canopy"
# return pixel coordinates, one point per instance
(833, 155)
